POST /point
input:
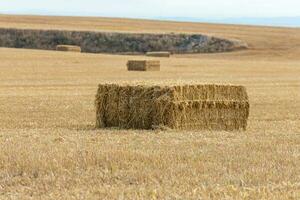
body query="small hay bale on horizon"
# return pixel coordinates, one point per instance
(179, 107)
(159, 54)
(143, 65)
(71, 48)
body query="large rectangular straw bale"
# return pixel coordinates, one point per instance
(158, 54)
(182, 107)
(143, 65)
(68, 48)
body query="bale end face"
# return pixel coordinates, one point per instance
(143, 65)
(159, 54)
(68, 48)
(182, 107)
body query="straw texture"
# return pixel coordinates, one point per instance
(182, 107)
(143, 65)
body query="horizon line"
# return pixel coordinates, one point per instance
(248, 21)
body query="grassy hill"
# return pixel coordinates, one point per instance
(270, 39)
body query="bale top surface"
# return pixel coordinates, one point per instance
(186, 90)
(165, 83)
(158, 54)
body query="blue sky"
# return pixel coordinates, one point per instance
(208, 9)
(157, 8)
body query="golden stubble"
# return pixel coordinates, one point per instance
(51, 150)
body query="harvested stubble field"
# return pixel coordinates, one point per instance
(50, 149)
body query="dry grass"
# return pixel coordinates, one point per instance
(49, 148)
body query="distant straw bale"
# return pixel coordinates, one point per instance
(68, 48)
(143, 65)
(158, 54)
(179, 106)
